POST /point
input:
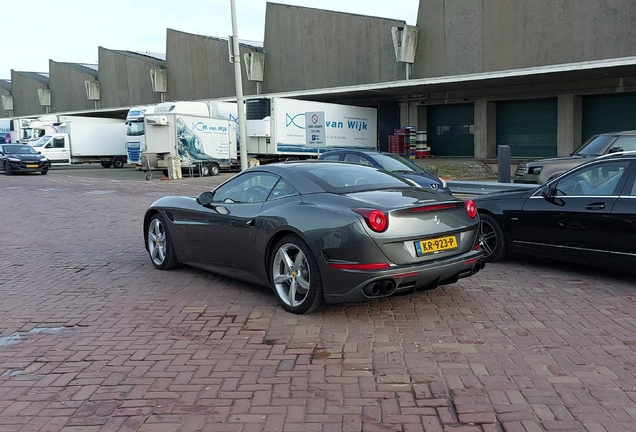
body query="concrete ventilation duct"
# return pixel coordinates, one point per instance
(7, 102)
(405, 44)
(45, 98)
(92, 90)
(255, 68)
(159, 80)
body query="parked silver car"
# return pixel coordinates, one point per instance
(542, 170)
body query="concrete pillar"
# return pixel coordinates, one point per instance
(569, 129)
(408, 114)
(421, 118)
(485, 130)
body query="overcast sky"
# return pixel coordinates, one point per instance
(35, 31)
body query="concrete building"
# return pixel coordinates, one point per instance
(535, 116)
(67, 82)
(309, 48)
(25, 88)
(124, 77)
(199, 67)
(5, 90)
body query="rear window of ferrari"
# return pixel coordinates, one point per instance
(344, 178)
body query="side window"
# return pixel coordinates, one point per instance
(354, 158)
(58, 143)
(282, 190)
(332, 157)
(250, 187)
(624, 143)
(597, 180)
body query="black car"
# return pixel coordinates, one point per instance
(587, 215)
(390, 162)
(16, 158)
(318, 233)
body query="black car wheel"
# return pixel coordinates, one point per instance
(492, 238)
(44, 172)
(160, 247)
(295, 276)
(6, 168)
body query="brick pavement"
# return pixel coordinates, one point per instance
(95, 339)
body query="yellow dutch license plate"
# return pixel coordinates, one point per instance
(32, 165)
(438, 244)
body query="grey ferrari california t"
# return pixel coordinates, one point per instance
(319, 232)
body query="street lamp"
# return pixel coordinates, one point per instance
(235, 57)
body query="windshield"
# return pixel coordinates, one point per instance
(355, 178)
(41, 141)
(595, 146)
(396, 163)
(18, 149)
(135, 128)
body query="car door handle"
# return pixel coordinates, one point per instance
(595, 206)
(250, 223)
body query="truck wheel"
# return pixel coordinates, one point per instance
(214, 170)
(107, 164)
(118, 162)
(205, 170)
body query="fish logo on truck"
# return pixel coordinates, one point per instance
(202, 127)
(353, 123)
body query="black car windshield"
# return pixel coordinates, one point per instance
(397, 163)
(18, 149)
(595, 146)
(335, 178)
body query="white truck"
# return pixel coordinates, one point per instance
(85, 140)
(275, 128)
(185, 130)
(16, 130)
(136, 133)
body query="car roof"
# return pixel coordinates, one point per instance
(355, 150)
(620, 133)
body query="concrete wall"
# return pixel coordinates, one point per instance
(199, 67)
(25, 95)
(125, 79)
(310, 48)
(68, 92)
(459, 37)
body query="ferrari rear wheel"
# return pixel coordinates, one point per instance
(295, 276)
(492, 238)
(160, 247)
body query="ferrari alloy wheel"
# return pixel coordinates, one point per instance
(160, 246)
(491, 238)
(295, 276)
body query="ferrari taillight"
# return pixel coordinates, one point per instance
(471, 209)
(377, 220)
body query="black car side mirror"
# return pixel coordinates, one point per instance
(616, 150)
(205, 198)
(546, 191)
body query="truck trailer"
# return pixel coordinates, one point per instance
(276, 129)
(85, 140)
(184, 131)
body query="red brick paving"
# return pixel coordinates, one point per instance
(104, 342)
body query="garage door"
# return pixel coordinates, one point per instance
(529, 127)
(451, 129)
(608, 113)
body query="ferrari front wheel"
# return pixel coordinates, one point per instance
(295, 276)
(160, 247)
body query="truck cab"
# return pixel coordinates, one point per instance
(136, 133)
(56, 147)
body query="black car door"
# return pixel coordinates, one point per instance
(623, 249)
(573, 215)
(223, 233)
